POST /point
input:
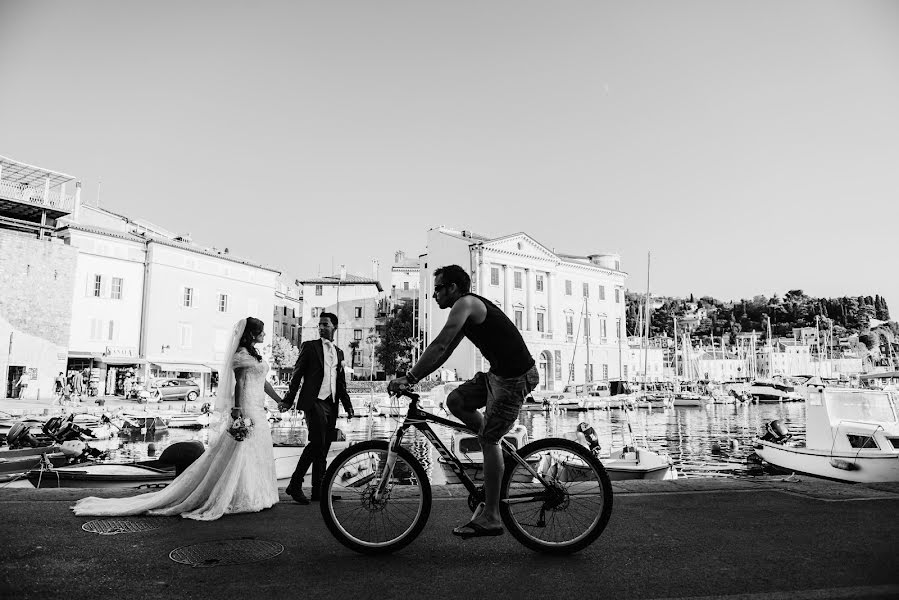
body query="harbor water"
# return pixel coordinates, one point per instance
(709, 441)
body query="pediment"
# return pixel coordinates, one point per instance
(521, 244)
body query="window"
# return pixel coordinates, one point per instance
(406, 286)
(357, 334)
(557, 365)
(618, 327)
(98, 286)
(586, 290)
(357, 312)
(588, 372)
(518, 319)
(617, 296)
(318, 290)
(316, 311)
(187, 299)
(624, 373)
(602, 328)
(494, 276)
(602, 292)
(605, 371)
(223, 302)
(285, 330)
(96, 329)
(569, 325)
(586, 327)
(517, 280)
(861, 441)
(283, 311)
(539, 283)
(111, 331)
(185, 335)
(540, 322)
(567, 287)
(117, 285)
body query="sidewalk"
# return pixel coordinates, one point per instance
(770, 537)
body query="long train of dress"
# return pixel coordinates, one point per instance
(230, 477)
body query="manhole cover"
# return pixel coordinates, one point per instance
(114, 526)
(226, 552)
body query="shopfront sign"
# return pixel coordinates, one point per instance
(121, 351)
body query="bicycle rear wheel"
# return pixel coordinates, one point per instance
(375, 525)
(568, 513)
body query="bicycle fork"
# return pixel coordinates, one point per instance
(392, 447)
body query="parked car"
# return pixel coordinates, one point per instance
(173, 389)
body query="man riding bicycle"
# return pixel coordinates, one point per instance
(501, 391)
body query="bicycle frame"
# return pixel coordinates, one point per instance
(420, 419)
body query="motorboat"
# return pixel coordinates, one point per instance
(140, 423)
(630, 462)
(87, 471)
(467, 449)
(364, 406)
(187, 420)
(25, 459)
(768, 391)
(851, 435)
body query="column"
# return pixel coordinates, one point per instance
(529, 299)
(507, 292)
(550, 292)
(484, 277)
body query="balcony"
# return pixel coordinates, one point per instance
(54, 200)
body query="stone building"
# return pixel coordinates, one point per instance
(37, 276)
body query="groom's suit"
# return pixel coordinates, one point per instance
(320, 413)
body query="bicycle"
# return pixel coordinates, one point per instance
(555, 497)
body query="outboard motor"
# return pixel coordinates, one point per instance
(777, 432)
(182, 455)
(19, 437)
(590, 435)
(77, 451)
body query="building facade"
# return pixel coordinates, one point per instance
(37, 275)
(570, 309)
(360, 306)
(148, 303)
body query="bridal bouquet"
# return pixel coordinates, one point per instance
(241, 428)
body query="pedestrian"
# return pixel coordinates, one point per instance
(236, 473)
(21, 384)
(500, 391)
(77, 385)
(59, 386)
(320, 368)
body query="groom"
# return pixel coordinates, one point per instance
(320, 367)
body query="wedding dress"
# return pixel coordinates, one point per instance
(229, 477)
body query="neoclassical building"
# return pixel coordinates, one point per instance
(570, 309)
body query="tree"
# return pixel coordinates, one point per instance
(284, 354)
(395, 350)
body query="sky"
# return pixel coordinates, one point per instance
(751, 147)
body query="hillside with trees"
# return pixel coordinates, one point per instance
(866, 316)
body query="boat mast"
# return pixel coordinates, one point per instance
(646, 312)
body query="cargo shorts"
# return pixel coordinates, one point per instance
(501, 398)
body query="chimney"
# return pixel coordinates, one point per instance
(343, 272)
(76, 210)
(398, 256)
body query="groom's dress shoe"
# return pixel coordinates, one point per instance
(297, 495)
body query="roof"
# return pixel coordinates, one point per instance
(146, 238)
(24, 174)
(408, 263)
(336, 280)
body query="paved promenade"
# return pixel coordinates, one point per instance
(765, 538)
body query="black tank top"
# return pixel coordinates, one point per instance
(500, 342)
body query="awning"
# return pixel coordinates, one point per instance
(94, 355)
(186, 367)
(122, 360)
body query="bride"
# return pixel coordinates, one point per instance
(231, 476)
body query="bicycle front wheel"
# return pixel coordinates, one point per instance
(366, 523)
(570, 510)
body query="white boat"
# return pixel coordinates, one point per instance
(187, 420)
(631, 462)
(468, 450)
(365, 406)
(851, 435)
(766, 391)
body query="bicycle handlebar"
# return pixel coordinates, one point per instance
(409, 394)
